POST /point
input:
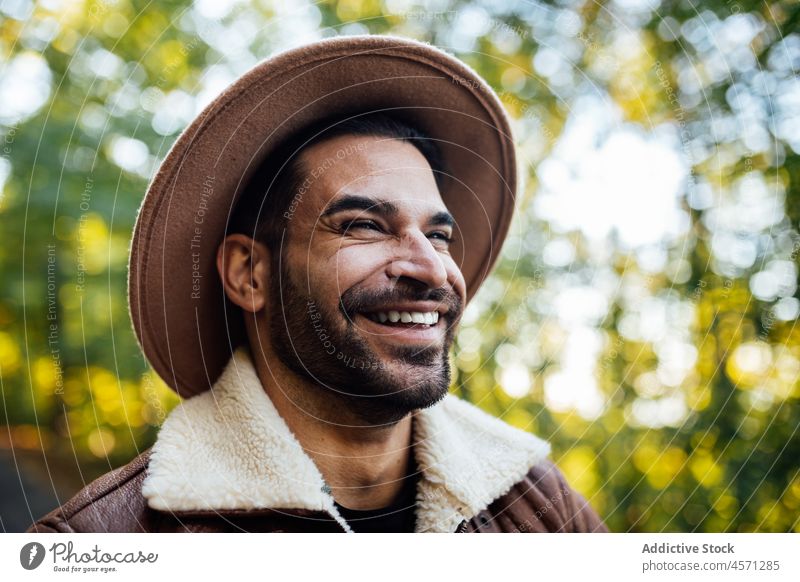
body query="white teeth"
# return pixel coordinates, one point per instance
(427, 317)
(418, 317)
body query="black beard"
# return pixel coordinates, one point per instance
(310, 341)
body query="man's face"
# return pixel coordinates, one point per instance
(367, 296)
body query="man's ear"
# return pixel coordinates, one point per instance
(244, 268)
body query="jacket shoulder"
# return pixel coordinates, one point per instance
(111, 503)
(542, 501)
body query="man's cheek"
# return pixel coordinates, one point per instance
(456, 280)
(326, 289)
(320, 275)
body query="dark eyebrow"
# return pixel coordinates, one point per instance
(353, 202)
(441, 219)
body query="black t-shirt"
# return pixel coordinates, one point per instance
(399, 516)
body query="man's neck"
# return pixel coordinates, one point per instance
(364, 465)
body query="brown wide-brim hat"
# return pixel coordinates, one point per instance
(185, 327)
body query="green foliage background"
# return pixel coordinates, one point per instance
(111, 80)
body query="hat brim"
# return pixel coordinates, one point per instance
(176, 300)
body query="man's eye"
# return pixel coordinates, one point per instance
(365, 224)
(441, 236)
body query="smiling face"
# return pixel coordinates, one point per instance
(367, 297)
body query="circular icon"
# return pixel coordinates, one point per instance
(31, 555)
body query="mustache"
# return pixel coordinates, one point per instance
(356, 300)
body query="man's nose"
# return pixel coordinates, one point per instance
(417, 258)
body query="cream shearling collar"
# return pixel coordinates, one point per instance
(228, 448)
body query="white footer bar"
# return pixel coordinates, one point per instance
(390, 557)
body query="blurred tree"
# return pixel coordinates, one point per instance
(643, 317)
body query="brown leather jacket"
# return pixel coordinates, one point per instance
(477, 474)
(542, 502)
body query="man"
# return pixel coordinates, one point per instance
(298, 271)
